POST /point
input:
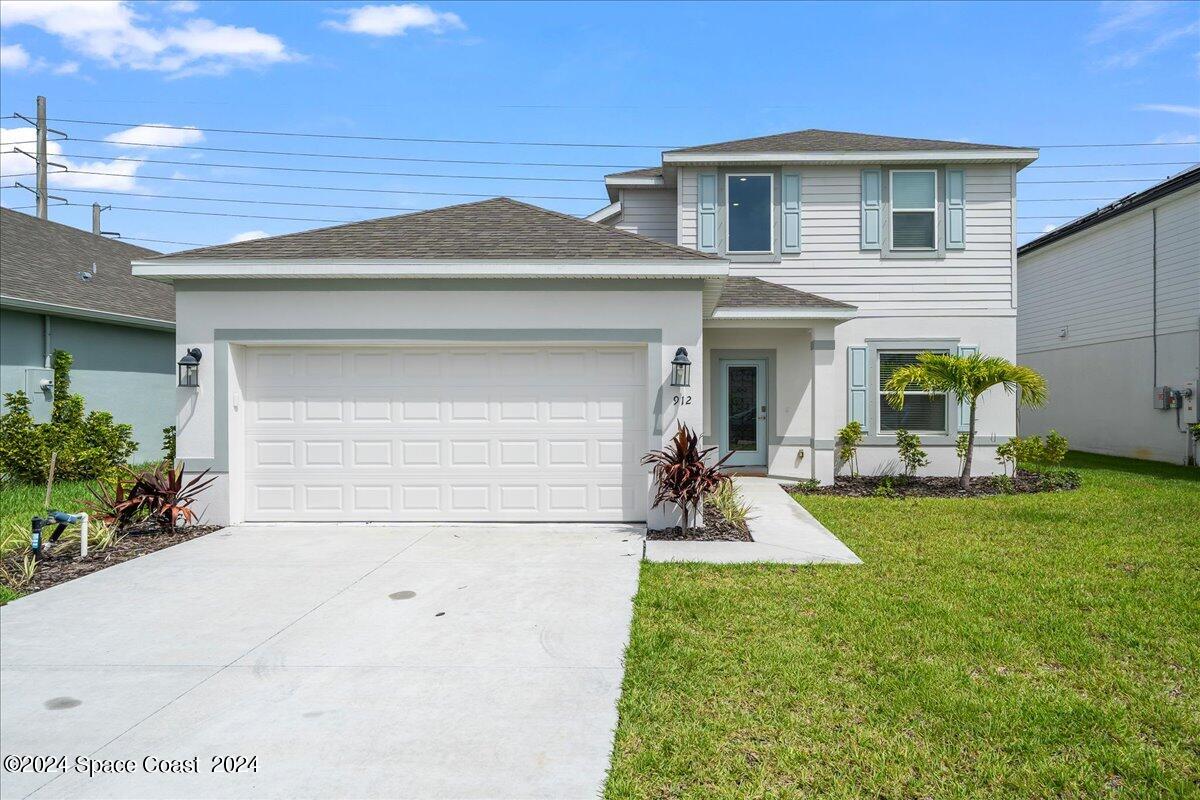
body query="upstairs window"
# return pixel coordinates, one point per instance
(748, 199)
(922, 413)
(914, 209)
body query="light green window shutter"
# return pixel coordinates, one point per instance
(857, 373)
(791, 212)
(956, 206)
(964, 408)
(872, 208)
(706, 233)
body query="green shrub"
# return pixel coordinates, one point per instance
(87, 445)
(960, 448)
(886, 488)
(911, 454)
(1005, 484)
(168, 444)
(1056, 478)
(806, 486)
(1006, 454)
(1055, 449)
(848, 440)
(1029, 449)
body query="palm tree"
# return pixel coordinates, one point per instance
(966, 377)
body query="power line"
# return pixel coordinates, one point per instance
(592, 199)
(1103, 180)
(220, 214)
(158, 241)
(353, 206)
(234, 200)
(513, 143)
(335, 171)
(365, 138)
(1128, 164)
(484, 162)
(291, 153)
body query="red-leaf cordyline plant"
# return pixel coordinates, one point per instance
(159, 497)
(681, 474)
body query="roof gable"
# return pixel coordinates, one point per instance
(40, 262)
(496, 229)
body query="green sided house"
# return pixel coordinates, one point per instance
(62, 288)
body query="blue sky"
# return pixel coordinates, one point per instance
(631, 74)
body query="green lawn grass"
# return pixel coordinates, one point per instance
(1015, 646)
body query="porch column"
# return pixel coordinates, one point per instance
(828, 401)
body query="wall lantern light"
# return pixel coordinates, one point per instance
(681, 368)
(189, 368)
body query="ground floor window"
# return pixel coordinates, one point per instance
(922, 412)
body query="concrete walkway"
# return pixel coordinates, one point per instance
(406, 662)
(783, 530)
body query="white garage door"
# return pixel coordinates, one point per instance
(445, 433)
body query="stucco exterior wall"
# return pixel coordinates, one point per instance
(215, 317)
(1101, 395)
(800, 443)
(127, 371)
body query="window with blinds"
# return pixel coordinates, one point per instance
(922, 412)
(914, 209)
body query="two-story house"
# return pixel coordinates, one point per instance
(498, 361)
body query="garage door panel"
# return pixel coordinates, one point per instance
(470, 433)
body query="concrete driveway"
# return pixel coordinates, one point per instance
(422, 662)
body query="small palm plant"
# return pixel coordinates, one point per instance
(682, 476)
(966, 377)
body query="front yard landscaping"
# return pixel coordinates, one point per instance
(1026, 645)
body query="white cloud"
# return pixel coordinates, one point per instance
(183, 7)
(1048, 228)
(1177, 138)
(1168, 108)
(396, 20)
(1133, 56)
(67, 68)
(1122, 17)
(151, 135)
(110, 31)
(13, 56)
(246, 236)
(118, 174)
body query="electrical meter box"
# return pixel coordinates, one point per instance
(1164, 398)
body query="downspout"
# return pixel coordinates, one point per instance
(46, 351)
(1154, 292)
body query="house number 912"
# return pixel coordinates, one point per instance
(683, 399)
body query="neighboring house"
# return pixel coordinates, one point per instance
(66, 289)
(1109, 312)
(497, 361)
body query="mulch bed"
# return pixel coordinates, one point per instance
(716, 529)
(65, 564)
(899, 486)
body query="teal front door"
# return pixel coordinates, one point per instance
(743, 410)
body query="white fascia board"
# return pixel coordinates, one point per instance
(40, 307)
(778, 312)
(616, 180)
(606, 268)
(1021, 156)
(605, 214)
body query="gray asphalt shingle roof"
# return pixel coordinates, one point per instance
(815, 140)
(643, 172)
(41, 260)
(743, 292)
(494, 229)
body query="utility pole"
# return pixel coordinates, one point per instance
(96, 218)
(43, 205)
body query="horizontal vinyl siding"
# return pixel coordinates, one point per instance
(649, 212)
(832, 264)
(1099, 283)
